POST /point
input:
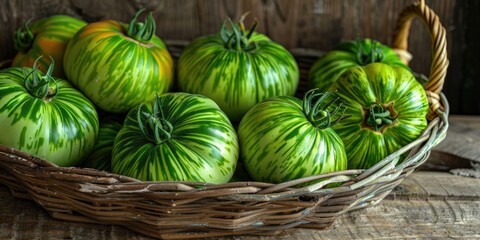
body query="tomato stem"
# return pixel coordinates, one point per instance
(142, 32)
(367, 55)
(237, 37)
(154, 126)
(23, 39)
(378, 117)
(321, 108)
(39, 84)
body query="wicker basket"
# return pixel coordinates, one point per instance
(176, 210)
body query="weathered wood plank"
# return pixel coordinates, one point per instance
(463, 138)
(411, 219)
(461, 145)
(426, 185)
(443, 161)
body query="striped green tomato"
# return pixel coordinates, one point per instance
(48, 37)
(326, 70)
(179, 136)
(119, 66)
(387, 109)
(101, 156)
(284, 138)
(237, 69)
(45, 117)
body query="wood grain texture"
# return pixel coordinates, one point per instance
(426, 205)
(429, 186)
(463, 138)
(317, 24)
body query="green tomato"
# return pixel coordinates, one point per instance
(177, 137)
(237, 69)
(45, 37)
(45, 117)
(117, 67)
(386, 109)
(326, 70)
(284, 138)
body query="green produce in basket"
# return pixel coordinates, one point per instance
(45, 37)
(326, 70)
(387, 109)
(45, 116)
(237, 69)
(177, 137)
(284, 138)
(101, 156)
(119, 66)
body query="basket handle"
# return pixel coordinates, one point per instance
(438, 68)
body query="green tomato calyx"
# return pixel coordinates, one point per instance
(369, 53)
(142, 32)
(236, 37)
(378, 116)
(23, 39)
(41, 85)
(321, 109)
(154, 126)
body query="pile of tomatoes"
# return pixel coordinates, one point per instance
(101, 95)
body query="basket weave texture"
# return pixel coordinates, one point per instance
(185, 210)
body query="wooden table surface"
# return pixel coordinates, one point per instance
(431, 203)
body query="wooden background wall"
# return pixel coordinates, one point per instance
(315, 24)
